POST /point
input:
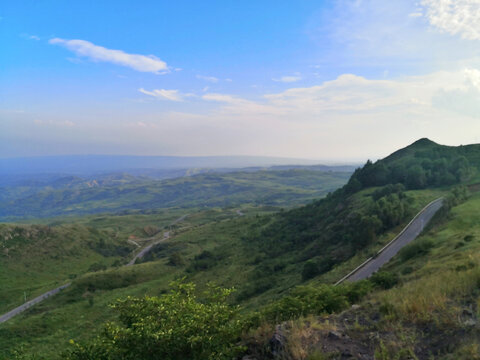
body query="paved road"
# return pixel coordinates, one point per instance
(146, 249)
(30, 303)
(42, 297)
(408, 234)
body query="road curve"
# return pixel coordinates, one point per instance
(407, 235)
(146, 249)
(42, 297)
(30, 303)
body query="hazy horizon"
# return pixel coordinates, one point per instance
(338, 81)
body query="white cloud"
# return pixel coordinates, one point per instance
(456, 17)
(222, 98)
(354, 115)
(288, 79)
(143, 63)
(211, 79)
(415, 14)
(390, 34)
(162, 94)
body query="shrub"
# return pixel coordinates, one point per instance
(97, 267)
(469, 238)
(176, 325)
(176, 259)
(384, 280)
(416, 248)
(312, 300)
(205, 260)
(310, 270)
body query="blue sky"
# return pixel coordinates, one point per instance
(330, 80)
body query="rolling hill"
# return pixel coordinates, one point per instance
(423, 304)
(72, 195)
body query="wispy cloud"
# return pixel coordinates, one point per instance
(143, 63)
(224, 98)
(30, 37)
(211, 79)
(456, 17)
(288, 79)
(162, 94)
(62, 123)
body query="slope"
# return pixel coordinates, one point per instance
(263, 256)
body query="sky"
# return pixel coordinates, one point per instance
(342, 80)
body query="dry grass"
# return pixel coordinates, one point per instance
(304, 332)
(432, 298)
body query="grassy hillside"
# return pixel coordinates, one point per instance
(220, 251)
(279, 188)
(36, 258)
(425, 303)
(429, 288)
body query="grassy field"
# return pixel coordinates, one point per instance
(212, 247)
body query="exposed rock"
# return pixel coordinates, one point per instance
(334, 335)
(278, 342)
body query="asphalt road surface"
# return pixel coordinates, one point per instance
(30, 303)
(146, 249)
(408, 234)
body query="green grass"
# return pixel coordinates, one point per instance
(261, 256)
(258, 280)
(36, 258)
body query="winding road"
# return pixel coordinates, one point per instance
(30, 303)
(365, 270)
(146, 249)
(407, 235)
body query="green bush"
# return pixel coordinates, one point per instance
(306, 300)
(310, 270)
(417, 248)
(176, 259)
(205, 260)
(384, 280)
(97, 267)
(173, 326)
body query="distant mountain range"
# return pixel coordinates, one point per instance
(91, 164)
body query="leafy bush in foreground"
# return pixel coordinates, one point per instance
(173, 326)
(312, 300)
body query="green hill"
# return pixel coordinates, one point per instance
(428, 290)
(263, 187)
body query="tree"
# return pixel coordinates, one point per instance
(176, 325)
(416, 178)
(310, 270)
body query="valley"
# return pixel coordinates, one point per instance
(282, 261)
